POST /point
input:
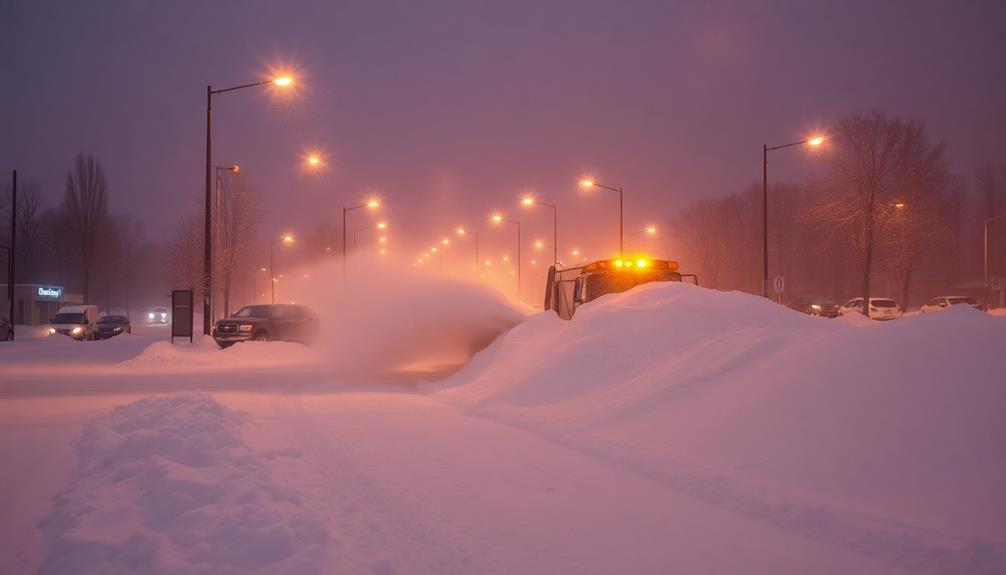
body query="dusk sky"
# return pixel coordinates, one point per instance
(450, 109)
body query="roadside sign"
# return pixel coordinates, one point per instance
(996, 284)
(779, 284)
(181, 314)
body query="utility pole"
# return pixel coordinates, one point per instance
(13, 250)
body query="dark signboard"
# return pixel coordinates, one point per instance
(181, 314)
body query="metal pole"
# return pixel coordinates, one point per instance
(476, 255)
(518, 260)
(207, 235)
(985, 261)
(272, 273)
(344, 239)
(621, 222)
(11, 257)
(216, 226)
(555, 235)
(764, 217)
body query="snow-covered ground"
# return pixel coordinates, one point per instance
(667, 429)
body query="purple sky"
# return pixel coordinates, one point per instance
(452, 108)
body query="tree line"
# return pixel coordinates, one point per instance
(885, 218)
(80, 243)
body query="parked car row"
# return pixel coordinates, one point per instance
(84, 323)
(880, 308)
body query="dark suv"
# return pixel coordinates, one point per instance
(267, 322)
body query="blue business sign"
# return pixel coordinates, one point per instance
(50, 292)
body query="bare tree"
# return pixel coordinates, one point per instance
(184, 260)
(85, 213)
(236, 224)
(878, 163)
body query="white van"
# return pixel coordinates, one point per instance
(77, 321)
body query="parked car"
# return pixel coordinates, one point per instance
(77, 321)
(113, 325)
(815, 305)
(943, 302)
(267, 322)
(158, 315)
(881, 308)
(6, 329)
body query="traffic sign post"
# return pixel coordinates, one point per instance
(996, 285)
(779, 285)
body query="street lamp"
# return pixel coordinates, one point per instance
(650, 230)
(372, 204)
(588, 183)
(530, 201)
(498, 218)
(985, 241)
(282, 82)
(462, 232)
(287, 240)
(813, 142)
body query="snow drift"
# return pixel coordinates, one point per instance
(885, 438)
(169, 485)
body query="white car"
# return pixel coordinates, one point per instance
(881, 308)
(158, 315)
(943, 302)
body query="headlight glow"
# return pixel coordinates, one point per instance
(76, 330)
(164, 316)
(150, 315)
(642, 263)
(245, 327)
(52, 330)
(815, 306)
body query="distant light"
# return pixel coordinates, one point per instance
(445, 241)
(816, 141)
(489, 263)
(262, 269)
(651, 229)
(538, 244)
(283, 81)
(382, 225)
(576, 252)
(235, 168)
(586, 183)
(433, 249)
(528, 201)
(506, 258)
(382, 239)
(496, 218)
(461, 231)
(899, 205)
(288, 238)
(373, 203)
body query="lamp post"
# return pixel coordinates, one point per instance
(372, 204)
(233, 168)
(815, 141)
(12, 251)
(463, 232)
(589, 183)
(255, 283)
(650, 230)
(287, 239)
(531, 201)
(985, 241)
(281, 82)
(498, 218)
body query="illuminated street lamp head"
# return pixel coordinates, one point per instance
(899, 205)
(651, 229)
(496, 217)
(288, 238)
(527, 201)
(373, 203)
(538, 244)
(235, 168)
(816, 141)
(382, 240)
(283, 81)
(576, 253)
(586, 183)
(460, 231)
(262, 269)
(382, 225)
(445, 241)
(433, 249)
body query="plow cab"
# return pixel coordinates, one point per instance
(568, 288)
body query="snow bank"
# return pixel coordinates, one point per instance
(388, 316)
(169, 485)
(885, 438)
(206, 353)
